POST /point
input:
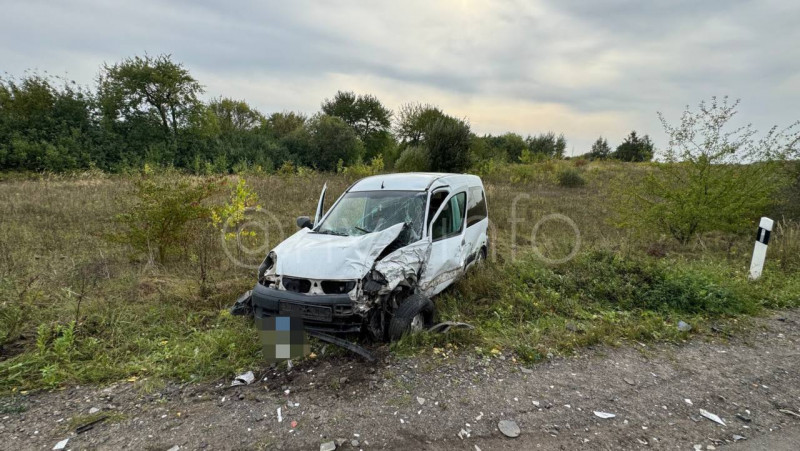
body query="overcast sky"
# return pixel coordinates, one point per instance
(584, 68)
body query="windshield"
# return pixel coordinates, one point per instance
(372, 211)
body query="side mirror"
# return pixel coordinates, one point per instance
(304, 221)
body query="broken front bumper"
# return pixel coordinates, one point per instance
(321, 312)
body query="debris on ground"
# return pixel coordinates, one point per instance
(713, 417)
(90, 425)
(684, 327)
(421, 401)
(174, 448)
(447, 325)
(280, 417)
(737, 437)
(62, 444)
(93, 410)
(603, 415)
(508, 428)
(629, 381)
(789, 412)
(463, 433)
(744, 418)
(243, 379)
(350, 346)
(688, 401)
(327, 446)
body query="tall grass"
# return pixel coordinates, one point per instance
(76, 307)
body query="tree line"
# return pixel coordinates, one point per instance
(148, 110)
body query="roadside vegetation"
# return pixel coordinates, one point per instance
(134, 215)
(85, 298)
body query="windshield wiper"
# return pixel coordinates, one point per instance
(331, 232)
(362, 229)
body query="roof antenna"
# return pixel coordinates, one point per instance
(381, 184)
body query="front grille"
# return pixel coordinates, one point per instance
(296, 285)
(337, 287)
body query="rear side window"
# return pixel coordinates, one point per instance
(476, 206)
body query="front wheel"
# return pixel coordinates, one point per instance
(414, 315)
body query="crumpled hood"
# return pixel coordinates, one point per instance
(320, 256)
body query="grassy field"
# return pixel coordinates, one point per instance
(77, 307)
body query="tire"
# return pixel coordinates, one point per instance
(412, 306)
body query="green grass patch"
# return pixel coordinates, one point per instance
(534, 309)
(134, 340)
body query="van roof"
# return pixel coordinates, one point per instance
(414, 181)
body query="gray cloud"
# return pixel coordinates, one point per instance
(601, 64)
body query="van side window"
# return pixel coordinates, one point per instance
(476, 210)
(436, 201)
(451, 221)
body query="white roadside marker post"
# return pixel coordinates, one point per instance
(760, 251)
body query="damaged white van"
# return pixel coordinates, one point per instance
(374, 260)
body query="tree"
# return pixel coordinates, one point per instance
(600, 150)
(368, 117)
(512, 146)
(149, 85)
(235, 115)
(364, 113)
(413, 159)
(447, 140)
(713, 178)
(45, 124)
(331, 140)
(547, 144)
(413, 120)
(635, 149)
(279, 125)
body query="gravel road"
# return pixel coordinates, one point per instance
(449, 399)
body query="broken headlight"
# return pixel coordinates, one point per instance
(267, 264)
(373, 282)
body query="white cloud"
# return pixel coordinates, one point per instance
(584, 68)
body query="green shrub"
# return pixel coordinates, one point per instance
(159, 223)
(571, 178)
(714, 177)
(413, 159)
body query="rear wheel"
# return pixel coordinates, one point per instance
(413, 315)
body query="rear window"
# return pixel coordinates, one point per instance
(476, 206)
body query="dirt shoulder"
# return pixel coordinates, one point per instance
(426, 402)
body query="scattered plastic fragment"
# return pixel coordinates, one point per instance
(712, 417)
(243, 379)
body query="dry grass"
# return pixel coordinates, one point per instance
(134, 318)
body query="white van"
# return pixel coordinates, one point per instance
(372, 262)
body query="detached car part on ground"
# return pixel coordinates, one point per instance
(371, 264)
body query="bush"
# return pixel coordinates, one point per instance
(413, 159)
(571, 178)
(723, 184)
(360, 170)
(159, 223)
